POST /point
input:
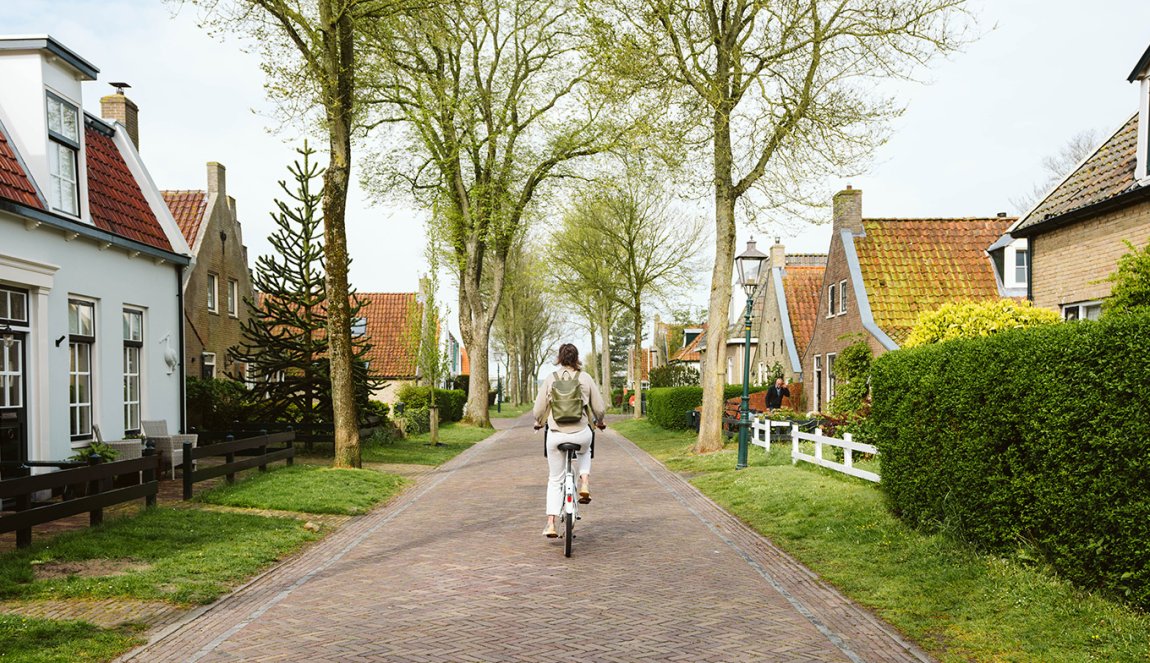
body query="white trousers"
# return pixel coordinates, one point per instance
(557, 464)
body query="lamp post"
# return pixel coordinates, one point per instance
(499, 382)
(750, 267)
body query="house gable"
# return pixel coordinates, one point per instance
(388, 318)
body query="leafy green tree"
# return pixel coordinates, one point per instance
(774, 93)
(285, 341)
(974, 319)
(674, 375)
(312, 51)
(852, 379)
(489, 102)
(1131, 290)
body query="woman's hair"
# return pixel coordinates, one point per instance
(569, 356)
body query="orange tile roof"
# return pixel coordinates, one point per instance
(15, 184)
(1107, 173)
(387, 326)
(187, 208)
(802, 285)
(690, 351)
(913, 265)
(115, 200)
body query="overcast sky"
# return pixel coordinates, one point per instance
(972, 139)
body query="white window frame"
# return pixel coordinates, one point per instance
(80, 344)
(213, 293)
(1082, 310)
(133, 354)
(233, 298)
(830, 376)
(842, 297)
(11, 374)
(818, 371)
(1009, 264)
(207, 359)
(61, 143)
(831, 306)
(358, 327)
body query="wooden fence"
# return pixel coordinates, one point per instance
(848, 445)
(80, 489)
(765, 432)
(254, 449)
(308, 434)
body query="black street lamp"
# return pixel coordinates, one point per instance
(750, 264)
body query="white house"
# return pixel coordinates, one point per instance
(90, 267)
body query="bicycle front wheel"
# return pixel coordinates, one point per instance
(568, 532)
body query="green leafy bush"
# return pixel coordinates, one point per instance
(1033, 437)
(852, 368)
(974, 319)
(450, 401)
(106, 453)
(1131, 279)
(414, 421)
(216, 403)
(667, 407)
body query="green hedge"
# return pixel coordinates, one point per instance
(1034, 437)
(450, 401)
(667, 407)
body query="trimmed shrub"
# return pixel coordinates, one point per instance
(216, 403)
(450, 401)
(1031, 437)
(674, 375)
(667, 407)
(974, 319)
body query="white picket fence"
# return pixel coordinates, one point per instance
(760, 435)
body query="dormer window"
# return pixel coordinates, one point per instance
(64, 155)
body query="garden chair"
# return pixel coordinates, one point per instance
(125, 449)
(170, 447)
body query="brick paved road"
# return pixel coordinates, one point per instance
(456, 570)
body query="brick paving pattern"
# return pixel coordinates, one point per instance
(108, 613)
(456, 570)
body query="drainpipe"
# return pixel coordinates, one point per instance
(180, 343)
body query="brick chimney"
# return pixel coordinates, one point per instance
(778, 254)
(120, 108)
(848, 210)
(217, 179)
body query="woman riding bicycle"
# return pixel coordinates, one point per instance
(578, 432)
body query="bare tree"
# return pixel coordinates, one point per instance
(1058, 166)
(528, 325)
(781, 91)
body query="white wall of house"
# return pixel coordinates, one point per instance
(54, 270)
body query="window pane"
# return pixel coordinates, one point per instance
(55, 119)
(1093, 312)
(18, 306)
(71, 124)
(4, 308)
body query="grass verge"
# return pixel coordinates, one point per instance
(509, 411)
(956, 603)
(309, 489)
(181, 555)
(454, 438)
(24, 640)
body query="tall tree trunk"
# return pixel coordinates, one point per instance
(638, 329)
(339, 44)
(605, 356)
(591, 368)
(715, 364)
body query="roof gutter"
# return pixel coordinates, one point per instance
(91, 232)
(863, 302)
(1109, 205)
(785, 319)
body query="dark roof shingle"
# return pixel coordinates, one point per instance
(1107, 173)
(914, 265)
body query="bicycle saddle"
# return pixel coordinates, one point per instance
(568, 446)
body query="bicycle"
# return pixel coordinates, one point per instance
(570, 506)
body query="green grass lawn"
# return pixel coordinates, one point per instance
(183, 555)
(509, 411)
(309, 489)
(454, 438)
(956, 603)
(24, 640)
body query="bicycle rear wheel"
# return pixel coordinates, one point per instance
(568, 532)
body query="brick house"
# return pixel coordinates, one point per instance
(881, 273)
(1077, 233)
(786, 308)
(219, 283)
(689, 354)
(91, 263)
